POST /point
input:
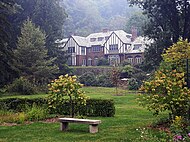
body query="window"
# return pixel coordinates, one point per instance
(83, 62)
(89, 62)
(106, 38)
(71, 49)
(100, 38)
(137, 46)
(92, 39)
(95, 61)
(138, 59)
(113, 47)
(130, 60)
(96, 48)
(114, 59)
(82, 50)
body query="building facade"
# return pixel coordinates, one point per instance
(115, 46)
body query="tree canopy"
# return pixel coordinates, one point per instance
(7, 71)
(32, 54)
(168, 21)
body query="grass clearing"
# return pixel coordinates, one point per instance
(121, 128)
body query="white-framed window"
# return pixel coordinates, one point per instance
(114, 59)
(113, 47)
(138, 60)
(100, 38)
(95, 61)
(92, 39)
(96, 48)
(130, 60)
(71, 49)
(106, 38)
(137, 46)
(82, 50)
(89, 62)
(83, 62)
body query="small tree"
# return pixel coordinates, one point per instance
(115, 78)
(66, 88)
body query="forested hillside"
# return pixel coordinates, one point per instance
(87, 16)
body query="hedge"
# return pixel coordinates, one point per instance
(93, 107)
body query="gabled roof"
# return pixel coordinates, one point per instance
(98, 35)
(144, 41)
(124, 37)
(81, 41)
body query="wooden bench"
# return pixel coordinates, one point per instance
(93, 124)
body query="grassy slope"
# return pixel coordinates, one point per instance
(122, 127)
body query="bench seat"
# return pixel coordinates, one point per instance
(93, 124)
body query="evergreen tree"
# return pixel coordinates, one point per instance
(32, 55)
(7, 68)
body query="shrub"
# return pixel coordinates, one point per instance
(20, 104)
(21, 86)
(167, 90)
(94, 107)
(133, 84)
(88, 79)
(36, 112)
(66, 88)
(104, 81)
(102, 62)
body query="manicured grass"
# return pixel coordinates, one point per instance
(121, 128)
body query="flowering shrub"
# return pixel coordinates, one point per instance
(63, 89)
(167, 91)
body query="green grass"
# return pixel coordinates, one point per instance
(121, 128)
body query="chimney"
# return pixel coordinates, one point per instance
(134, 33)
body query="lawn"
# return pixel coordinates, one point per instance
(129, 116)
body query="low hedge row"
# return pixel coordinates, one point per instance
(94, 107)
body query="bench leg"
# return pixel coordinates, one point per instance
(93, 128)
(64, 126)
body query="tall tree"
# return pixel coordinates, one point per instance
(50, 16)
(7, 71)
(32, 54)
(168, 21)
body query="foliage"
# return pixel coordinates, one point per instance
(21, 86)
(137, 20)
(50, 17)
(115, 78)
(32, 55)
(133, 84)
(8, 70)
(37, 108)
(95, 15)
(168, 21)
(36, 112)
(148, 136)
(134, 75)
(102, 62)
(20, 104)
(104, 80)
(66, 88)
(88, 79)
(167, 91)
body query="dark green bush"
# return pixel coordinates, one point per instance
(104, 81)
(103, 62)
(21, 86)
(20, 104)
(88, 79)
(94, 107)
(133, 84)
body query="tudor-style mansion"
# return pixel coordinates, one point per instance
(116, 46)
